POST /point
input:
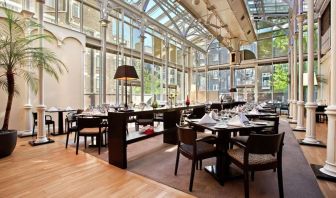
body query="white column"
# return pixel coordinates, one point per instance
(183, 88)
(166, 67)
(310, 105)
(291, 82)
(41, 133)
(207, 78)
(27, 14)
(294, 119)
(330, 164)
(289, 79)
(300, 102)
(142, 59)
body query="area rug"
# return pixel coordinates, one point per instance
(155, 160)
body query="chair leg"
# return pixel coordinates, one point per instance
(177, 161)
(33, 130)
(99, 142)
(252, 175)
(67, 139)
(106, 138)
(77, 144)
(200, 164)
(192, 174)
(280, 182)
(54, 128)
(85, 142)
(246, 183)
(48, 128)
(75, 137)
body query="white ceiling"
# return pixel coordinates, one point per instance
(225, 19)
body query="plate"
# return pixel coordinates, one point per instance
(259, 123)
(221, 126)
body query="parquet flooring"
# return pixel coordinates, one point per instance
(53, 171)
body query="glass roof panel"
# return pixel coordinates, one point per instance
(172, 15)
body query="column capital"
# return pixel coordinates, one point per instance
(301, 18)
(27, 14)
(40, 1)
(104, 22)
(295, 35)
(105, 8)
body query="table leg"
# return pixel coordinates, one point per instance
(60, 123)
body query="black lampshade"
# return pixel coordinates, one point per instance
(126, 72)
(233, 90)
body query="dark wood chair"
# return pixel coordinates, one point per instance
(70, 126)
(90, 126)
(194, 149)
(48, 121)
(284, 107)
(143, 120)
(262, 152)
(275, 128)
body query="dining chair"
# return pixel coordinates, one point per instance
(71, 126)
(275, 128)
(90, 126)
(193, 149)
(48, 121)
(262, 152)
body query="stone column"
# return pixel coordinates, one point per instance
(330, 165)
(183, 88)
(166, 67)
(289, 80)
(27, 14)
(294, 66)
(290, 70)
(311, 106)
(207, 77)
(300, 102)
(142, 59)
(41, 133)
(105, 8)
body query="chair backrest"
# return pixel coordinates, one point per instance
(71, 117)
(35, 116)
(186, 135)
(197, 112)
(284, 106)
(275, 119)
(88, 122)
(321, 108)
(79, 111)
(265, 144)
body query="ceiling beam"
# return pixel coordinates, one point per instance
(151, 21)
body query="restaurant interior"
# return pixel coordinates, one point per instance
(167, 98)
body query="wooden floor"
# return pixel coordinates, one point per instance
(317, 155)
(53, 171)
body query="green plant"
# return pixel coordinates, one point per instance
(280, 78)
(20, 58)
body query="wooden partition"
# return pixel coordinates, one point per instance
(117, 135)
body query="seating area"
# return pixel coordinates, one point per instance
(167, 98)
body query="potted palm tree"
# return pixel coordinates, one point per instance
(20, 58)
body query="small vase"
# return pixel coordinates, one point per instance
(187, 102)
(154, 103)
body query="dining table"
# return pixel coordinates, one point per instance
(60, 119)
(222, 170)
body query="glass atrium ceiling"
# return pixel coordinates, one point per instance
(171, 14)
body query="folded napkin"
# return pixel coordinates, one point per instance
(69, 108)
(259, 107)
(236, 121)
(254, 111)
(52, 109)
(243, 118)
(213, 115)
(206, 119)
(263, 104)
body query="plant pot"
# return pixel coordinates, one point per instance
(7, 142)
